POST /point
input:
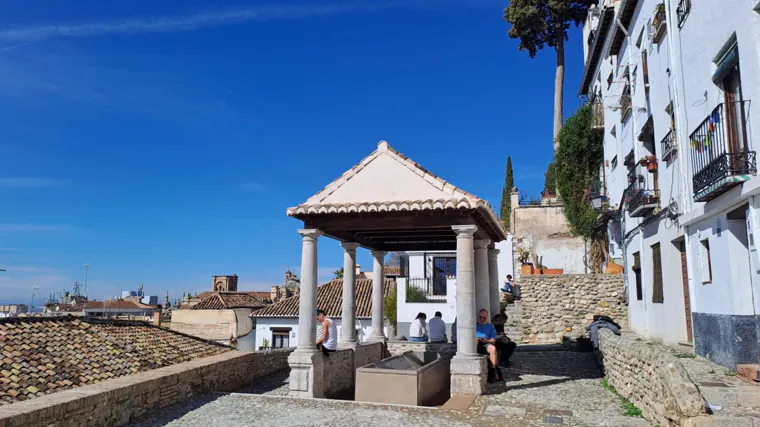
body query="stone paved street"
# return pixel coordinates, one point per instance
(558, 384)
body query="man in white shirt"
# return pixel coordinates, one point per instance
(437, 328)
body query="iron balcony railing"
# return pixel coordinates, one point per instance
(668, 145)
(683, 9)
(641, 198)
(426, 289)
(720, 157)
(625, 102)
(658, 22)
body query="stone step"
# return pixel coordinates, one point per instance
(749, 372)
(731, 397)
(737, 421)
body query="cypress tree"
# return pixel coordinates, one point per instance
(506, 196)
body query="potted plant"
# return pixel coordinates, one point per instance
(650, 162)
(525, 266)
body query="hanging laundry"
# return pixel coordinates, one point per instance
(707, 140)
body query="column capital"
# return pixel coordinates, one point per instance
(349, 246)
(494, 252)
(481, 243)
(379, 254)
(464, 230)
(310, 233)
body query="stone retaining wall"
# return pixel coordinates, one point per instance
(652, 379)
(119, 401)
(563, 305)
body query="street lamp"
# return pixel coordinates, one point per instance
(86, 270)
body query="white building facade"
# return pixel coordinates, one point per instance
(671, 87)
(428, 284)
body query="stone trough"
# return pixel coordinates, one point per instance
(411, 378)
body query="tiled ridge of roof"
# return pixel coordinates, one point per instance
(229, 300)
(329, 299)
(42, 355)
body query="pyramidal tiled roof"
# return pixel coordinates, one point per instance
(408, 187)
(40, 356)
(229, 300)
(329, 299)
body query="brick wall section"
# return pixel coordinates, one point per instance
(120, 401)
(652, 379)
(563, 305)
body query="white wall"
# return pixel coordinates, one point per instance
(264, 327)
(506, 259)
(407, 311)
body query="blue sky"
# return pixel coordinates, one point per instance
(161, 142)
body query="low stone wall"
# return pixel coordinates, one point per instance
(563, 305)
(445, 350)
(337, 373)
(119, 401)
(652, 379)
(367, 353)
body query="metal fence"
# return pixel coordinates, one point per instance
(426, 289)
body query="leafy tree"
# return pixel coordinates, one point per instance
(550, 182)
(576, 164)
(338, 273)
(390, 310)
(506, 196)
(539, 23)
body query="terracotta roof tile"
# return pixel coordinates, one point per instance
(329, 299)
(392, 270)
(118, 304)
(39, 356)
(228, 300)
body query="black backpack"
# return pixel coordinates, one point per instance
(606, 319)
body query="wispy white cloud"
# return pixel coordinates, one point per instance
(34, 228)
(192, 22)
(19, 182)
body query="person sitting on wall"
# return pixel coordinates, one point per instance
(486, 335)
(504, 345)
(328, 342)
(437, 328)
(418, 329)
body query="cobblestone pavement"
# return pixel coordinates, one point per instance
(555, 384)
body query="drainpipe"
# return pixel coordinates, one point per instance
(635, 144)
(680, 127)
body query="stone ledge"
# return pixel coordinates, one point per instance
(651, 378)
(121, 400)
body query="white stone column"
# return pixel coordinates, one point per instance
(493, 274)
(307, 315)
(378, 282)
(348, 329)
(468, 369)
(482, 278)
(305, 368)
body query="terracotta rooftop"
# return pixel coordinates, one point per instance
(116, 305)
(392, 270)
(329, 299)
(43, 355)
(228, 300)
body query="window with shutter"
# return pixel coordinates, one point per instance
(657, 291)
(705, 258)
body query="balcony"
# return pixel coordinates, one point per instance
(597, 115)
(668, 146)
(720, 158)
(683, 9)
(658, 23)
(641, 198)
(625, 103)
(426, 289)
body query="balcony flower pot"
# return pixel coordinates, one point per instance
(553, 271)
(652, 167)
(526, 269)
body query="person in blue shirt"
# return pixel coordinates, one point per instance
(486, 334)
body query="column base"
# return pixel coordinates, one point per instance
(306, 374)
(380, 338)
(347, 345)
(469, 375)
